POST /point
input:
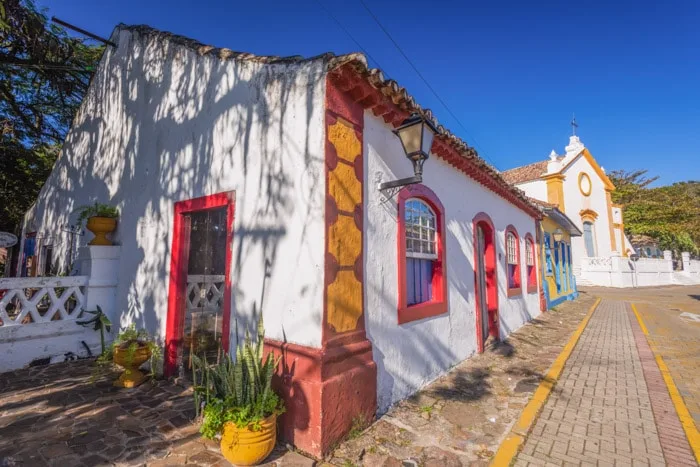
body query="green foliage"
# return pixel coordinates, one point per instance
(669, 214)
(99, 321)
(43, 78)
(131, 339)
(238, 391)
(96, 210)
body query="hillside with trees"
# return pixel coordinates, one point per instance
(670, 214)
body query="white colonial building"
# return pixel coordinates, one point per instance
(578, 186)
(248, 186)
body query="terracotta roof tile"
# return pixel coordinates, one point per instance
(525, 173)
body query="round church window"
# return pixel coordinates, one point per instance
(584, 184)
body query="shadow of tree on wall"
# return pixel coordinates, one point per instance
(162, 123)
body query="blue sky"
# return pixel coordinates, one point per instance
(513, 72)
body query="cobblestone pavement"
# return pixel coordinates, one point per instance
(673, 334)
(600, 410)
(60, 415)
(461, 418)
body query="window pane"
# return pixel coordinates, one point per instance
(420, 229)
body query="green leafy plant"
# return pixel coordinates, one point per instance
(96, 210)
(99, 321)
(236, 390)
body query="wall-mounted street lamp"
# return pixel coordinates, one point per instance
(416, 134)
(558, 235)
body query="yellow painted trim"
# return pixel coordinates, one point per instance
(581, 176)
(589, 157)
(588, 214)
(555, 190)
(608, 199)
(691, 431)
(511, 444)
(622, 240)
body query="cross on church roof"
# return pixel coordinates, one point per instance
(574, 125)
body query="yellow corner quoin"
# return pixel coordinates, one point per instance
(511, 444)
(691, 431)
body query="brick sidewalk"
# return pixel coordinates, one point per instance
(600, 411)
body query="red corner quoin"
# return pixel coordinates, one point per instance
(327, 390)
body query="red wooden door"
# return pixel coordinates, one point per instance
(199, 295)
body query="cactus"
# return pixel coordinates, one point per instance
(240, 386)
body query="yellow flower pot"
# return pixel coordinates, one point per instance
(243, 446)
(101, 226)
(132, 376)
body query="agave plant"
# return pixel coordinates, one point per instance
(237, 390)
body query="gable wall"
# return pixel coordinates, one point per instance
(161, 124)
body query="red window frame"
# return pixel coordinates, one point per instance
(178, 272)
(438, 304)
(517, 290)
(531, 270)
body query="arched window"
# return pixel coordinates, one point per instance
(531, 272)
(422, 285)
(513, 261)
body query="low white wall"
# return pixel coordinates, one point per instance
(56, 340)
(56, 336)
(410, 355)
(617, 271)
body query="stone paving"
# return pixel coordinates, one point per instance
(673, 334)
(600, 411)
(62, 415)
(461, 418)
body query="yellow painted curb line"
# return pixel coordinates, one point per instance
(511, 444)
(691, 431)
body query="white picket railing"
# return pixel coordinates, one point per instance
(28, 300)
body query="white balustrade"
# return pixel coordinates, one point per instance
(33, 300)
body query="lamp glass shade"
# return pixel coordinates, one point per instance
(410, 136)
(558, 235)
(428, 135)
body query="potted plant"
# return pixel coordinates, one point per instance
(240, 406)
(131, 349)
(101, 220)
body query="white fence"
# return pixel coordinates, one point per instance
(38, 314)
(617, 271)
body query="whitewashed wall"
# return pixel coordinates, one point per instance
(161, 124)
(536, 189)
(409, 356)
(574, 202)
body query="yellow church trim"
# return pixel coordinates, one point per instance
(555, 189)
(608, 199)
(581, 177)
(585, 153)
(588, 214)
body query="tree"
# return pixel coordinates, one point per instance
(669, 214)
(44, 75)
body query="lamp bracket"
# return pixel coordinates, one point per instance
(391, 188)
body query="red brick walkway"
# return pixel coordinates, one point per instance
(611, 405)
(671, 434)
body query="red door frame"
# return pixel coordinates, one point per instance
(179, 256)
(489, 259)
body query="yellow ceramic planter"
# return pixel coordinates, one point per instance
(242, 446)
(101, 226)
(132, 376)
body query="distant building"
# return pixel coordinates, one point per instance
(579, 187)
